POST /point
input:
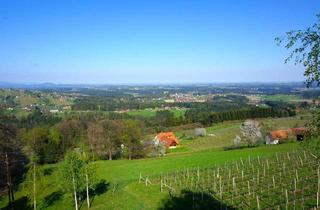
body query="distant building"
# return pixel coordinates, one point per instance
(53, 110)
(168, 138)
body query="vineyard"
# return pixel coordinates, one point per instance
(285, 181)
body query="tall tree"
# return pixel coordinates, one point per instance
(131, 136)
(44, 143)
(73, 175)
(12, 159)
(111, 135)
(34, 180)
(89, 172)
(94, 137)
(306, 50)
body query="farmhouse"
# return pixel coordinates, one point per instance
(168, 138)
(275, 137)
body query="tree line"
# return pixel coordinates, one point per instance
(208, 118)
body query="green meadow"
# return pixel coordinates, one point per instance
(152, 112)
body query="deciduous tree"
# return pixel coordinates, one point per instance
(306, 50)
(251, 132)
(131, 136)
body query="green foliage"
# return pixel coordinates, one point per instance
(312, 143)
(306, 50)
(207, 118)
(131, 137)
(165, 118)
(38, 118)
(44, 143)
(34, 178)
(314, 124)
(73, 170)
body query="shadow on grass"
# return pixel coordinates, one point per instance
(239, 147)
(21, 203)
(101, 187)
(53, 197)
(189, 200)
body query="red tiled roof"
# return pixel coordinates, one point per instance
(279, 134)
(168, 138)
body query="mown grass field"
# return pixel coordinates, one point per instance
(152, 112)
(122, 190)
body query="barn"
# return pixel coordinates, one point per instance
(168, 138)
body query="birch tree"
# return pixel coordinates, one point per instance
(34, 181)
(89, 173)
(73, 175)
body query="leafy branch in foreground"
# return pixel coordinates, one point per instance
(306, 50)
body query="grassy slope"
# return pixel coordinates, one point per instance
(124, 170)
(224, 133)
(124, 174)
(126, 193)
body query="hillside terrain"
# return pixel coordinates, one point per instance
(119, 179)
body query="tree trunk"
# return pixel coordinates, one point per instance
(92, 149)
(87, 185)
(129, 153)
(12, 195)
(75, 192)
(9, 184)
(34, 187)
(110, 153)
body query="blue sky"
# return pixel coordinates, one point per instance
(160, 41)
